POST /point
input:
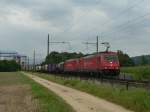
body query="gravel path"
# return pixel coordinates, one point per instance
(80, 101)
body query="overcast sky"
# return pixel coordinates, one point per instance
(24, 25)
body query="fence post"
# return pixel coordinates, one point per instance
(101, 80)
(127, 85)
(124, 76)
(112, 83)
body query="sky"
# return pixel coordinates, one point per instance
(25, 24)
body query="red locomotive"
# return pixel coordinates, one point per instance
(71, 65)
(103, 63)
(106, 63)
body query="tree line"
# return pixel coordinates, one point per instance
(125, 59)
(56, 57)
(9, 66)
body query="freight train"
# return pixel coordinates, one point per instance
(103, 63)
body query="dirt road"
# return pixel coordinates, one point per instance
(80, 101)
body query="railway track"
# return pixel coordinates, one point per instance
(128, 82)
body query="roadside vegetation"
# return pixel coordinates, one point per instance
(49, 101)
(138, 72)
(46, 101)
(135, 99)
(9, 66)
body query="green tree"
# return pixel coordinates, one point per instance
(9, 66)
(124, 59)
(56, 57)
(143, 60)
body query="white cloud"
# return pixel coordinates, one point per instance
(87, 19)
(23, 17)
(24, 24)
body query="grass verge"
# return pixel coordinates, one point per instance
(138, 72)
(48, 101)
(137, 100)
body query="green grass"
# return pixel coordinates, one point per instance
(48, 101)
(138, 72)
(12, 78)
(134, 99)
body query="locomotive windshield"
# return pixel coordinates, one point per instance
(111, 58)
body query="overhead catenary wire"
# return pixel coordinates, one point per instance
(128, 23)
(58, 42)
(123, 12)
(94, 43)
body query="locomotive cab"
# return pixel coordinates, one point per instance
(110, 63)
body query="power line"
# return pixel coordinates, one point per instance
(55, 42)
(94, 43)
(123, 12)
(128, 23)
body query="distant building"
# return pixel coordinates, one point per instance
(21, 59)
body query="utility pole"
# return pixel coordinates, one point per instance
(34, 60)
(92, 43)
(97, 45)
(48, 42)
(25, 63)
(28, 63)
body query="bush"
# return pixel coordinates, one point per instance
(9, 66)
(138, 72)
